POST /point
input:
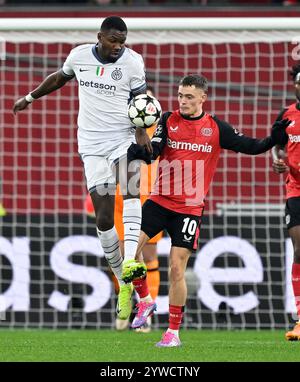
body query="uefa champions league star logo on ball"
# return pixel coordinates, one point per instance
(144, 111)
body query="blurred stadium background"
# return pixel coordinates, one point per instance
(50, 257)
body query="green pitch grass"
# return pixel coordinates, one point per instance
(109, 346)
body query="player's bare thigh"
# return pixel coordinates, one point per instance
(128, 176)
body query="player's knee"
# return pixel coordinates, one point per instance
(104, 221)
(150, 252)
(176, 272)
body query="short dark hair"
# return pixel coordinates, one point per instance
(197, 80)
(113, 22)
(295, 70)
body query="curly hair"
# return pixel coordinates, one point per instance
(113, 22)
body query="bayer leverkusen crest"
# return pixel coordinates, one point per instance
(206, 131)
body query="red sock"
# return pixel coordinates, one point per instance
(141, 287)
(175, 316)
(296, 285)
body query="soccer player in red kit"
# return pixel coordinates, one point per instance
(292, 209)
(189, 142)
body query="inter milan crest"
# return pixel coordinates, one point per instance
(116, 74)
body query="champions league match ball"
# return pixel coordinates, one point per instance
(144, 111)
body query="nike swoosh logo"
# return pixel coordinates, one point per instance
(84, 70)
(133, 229)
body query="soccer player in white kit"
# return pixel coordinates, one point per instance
(108, 75)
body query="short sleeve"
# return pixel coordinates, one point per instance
(67, 68)
(138, 76)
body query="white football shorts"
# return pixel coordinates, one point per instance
(100, 170)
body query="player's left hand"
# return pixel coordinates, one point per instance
(143, 139)
(278, 133)
(279, 166)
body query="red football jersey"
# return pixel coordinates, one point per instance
(189, 150)
(187, 163)
(293, 150)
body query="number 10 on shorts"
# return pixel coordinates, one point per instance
(189, 226)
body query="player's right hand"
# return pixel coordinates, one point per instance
(136, 151)
(21, 104)
(279, 166)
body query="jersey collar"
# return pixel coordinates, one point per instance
(193, 119)
(95, 53)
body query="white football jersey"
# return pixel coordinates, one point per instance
(104, 90)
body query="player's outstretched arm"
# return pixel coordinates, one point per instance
(53, 82)
(232, 139)
(278, 133)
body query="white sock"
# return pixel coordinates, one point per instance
(146, 298)
(176, 332)
(132, 216)
(110, 244)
